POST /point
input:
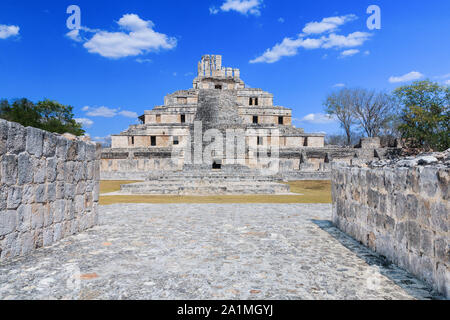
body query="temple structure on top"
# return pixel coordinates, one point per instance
(220, 100)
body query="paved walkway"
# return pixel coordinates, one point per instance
(195, 251)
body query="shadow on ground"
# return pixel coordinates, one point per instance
(399, 276)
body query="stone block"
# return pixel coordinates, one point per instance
(24, 218)
(25, 169)
(16, 138)
(28, 192)
(9, 169)
(38, 238)
(426, 242)
(41, 193)
(51, 169)
(413, 236)
(49, 149)
(14, 197)
(51, 192)
(3, 136)
(3, 197)
(48, 214)
(440, 216)
(57, 232)
(40, 171)
(35, 141)
(26, 241)
(37, 216)
(59, 208)
(61, 148)
(72, 150)
(8, 222)
(428, 181)
(81, 151)
(47, 237)
(79, 204)
(69, 210)
(411, 206)
(69, 191)
(59, 189)
(10, 246)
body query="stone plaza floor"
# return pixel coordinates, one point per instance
(204, 251)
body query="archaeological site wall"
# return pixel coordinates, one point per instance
(400, 211)
(49, 188)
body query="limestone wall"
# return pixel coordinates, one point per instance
(48, 188)
(399, 212)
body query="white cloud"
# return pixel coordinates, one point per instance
(290, 46)
(8, 31)
(137, 37)
(354, 39)
(367, 52)
(349, 53)
(327, 24)
(413, 75)
(281, 20)
(317, 118)
(139, 60)
(213, 10)
(339, 85)
(101, 112)
(287, 48)
(447, 82)
(128, 114)
(106, 112)
(245, 7)
(87, 123)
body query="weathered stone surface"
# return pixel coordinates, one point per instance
(8, 221)
(408, 215)
(35, 139)
(232, 251)
(9, 169)
(49, 144)
(14, 197)
(25, 169)
(33, 194)
(3, 136)
(16, 138)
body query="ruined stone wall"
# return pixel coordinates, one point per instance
(49, 188)
(399, 212)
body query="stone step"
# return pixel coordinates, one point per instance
(209, 188)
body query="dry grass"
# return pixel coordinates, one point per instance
(111, 186)
(311, 192)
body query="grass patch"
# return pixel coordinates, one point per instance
(112, 186)
(312, 192)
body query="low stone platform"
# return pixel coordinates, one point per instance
(208, 182)
(205, 187)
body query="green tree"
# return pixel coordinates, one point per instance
(47, 115)
(425, 115)
(58, 118)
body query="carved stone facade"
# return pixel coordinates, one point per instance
(220, 100)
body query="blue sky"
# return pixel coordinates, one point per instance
(128, 54)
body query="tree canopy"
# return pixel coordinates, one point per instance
(425, 115)
(46, 115)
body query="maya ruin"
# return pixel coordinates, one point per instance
(224, 160)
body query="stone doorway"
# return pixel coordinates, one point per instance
(217, 165)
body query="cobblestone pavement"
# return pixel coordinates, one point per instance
(194, 251)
